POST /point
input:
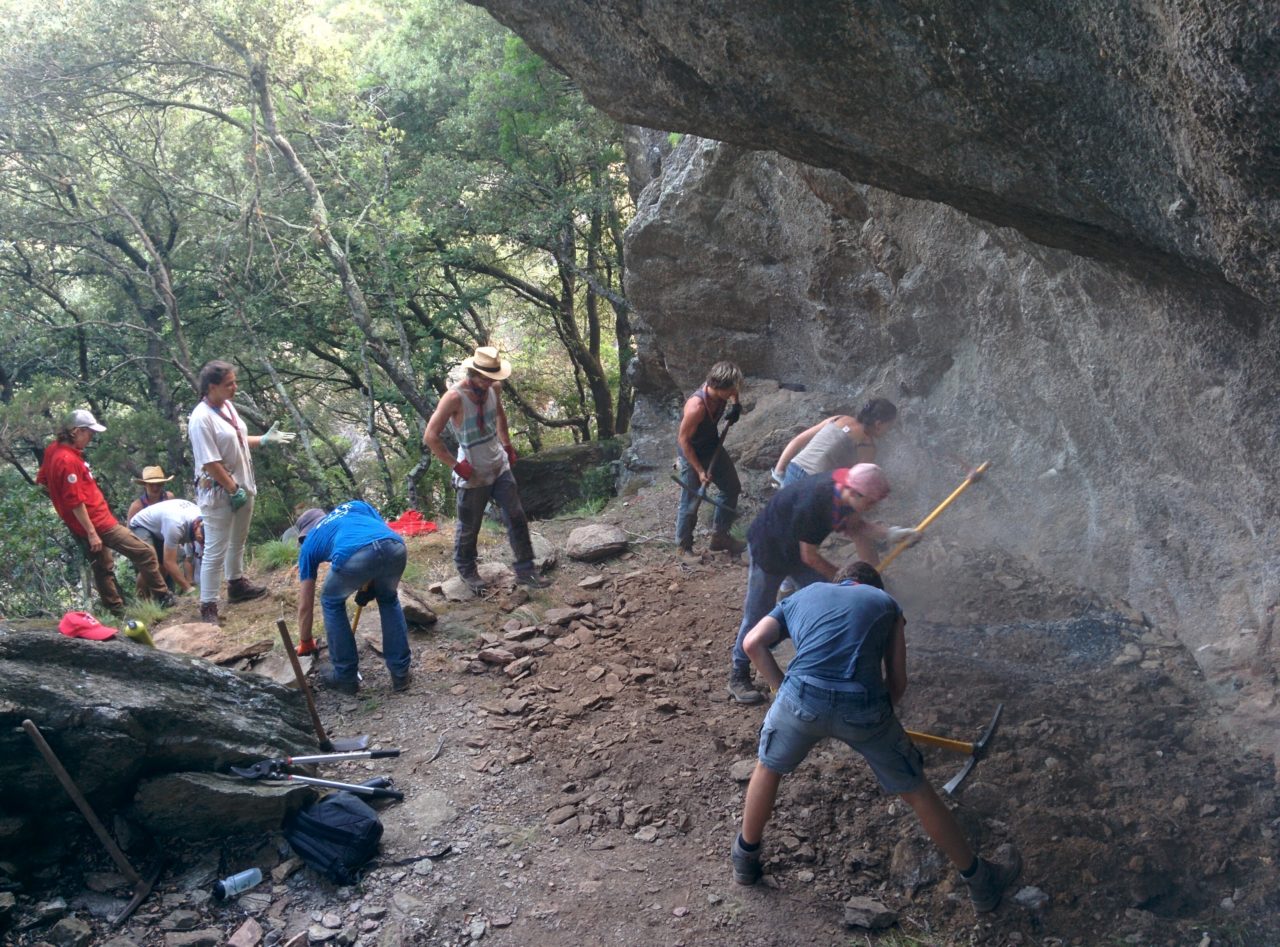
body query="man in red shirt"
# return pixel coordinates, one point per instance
(65, 474)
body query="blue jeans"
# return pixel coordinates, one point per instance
(471, 505)
(793, 473)
(762, 595)
(803, 713)
(725, 476)
(382, 563)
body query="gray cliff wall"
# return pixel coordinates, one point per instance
(1144, 134)
(1132, 426)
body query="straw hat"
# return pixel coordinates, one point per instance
(487, 363)
(152, 475)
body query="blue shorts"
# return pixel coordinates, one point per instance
(802, 715)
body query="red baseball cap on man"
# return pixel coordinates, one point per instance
(84, 625)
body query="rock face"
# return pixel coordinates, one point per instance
(1131, 425)
(554, 479)
(115, 712)
(1143, 136)
(1100, 328)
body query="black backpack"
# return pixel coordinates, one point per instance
(336, 836)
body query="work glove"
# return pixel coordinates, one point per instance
(897, 534)
(276, 436)
(776, 478)
(733, 412)
(307, 647)
(464, 470)
(239, 498)
(511, 454)
(364, 595)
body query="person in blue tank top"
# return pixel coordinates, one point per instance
(482, 468)
(849, 670)
(366, 558)
(701, 459)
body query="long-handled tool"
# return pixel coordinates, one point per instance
(924, 523)
(700, 493)
(277, 769)
(342, 744)
(976, 750)
(141, 886)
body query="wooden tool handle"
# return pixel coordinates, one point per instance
(82, 804)
(924, 523)
(942, 743)
(303, 685)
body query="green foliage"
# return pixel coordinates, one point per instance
(275, 554)
(597, 488)
(441, 187)
(39, 560)
(145, 611)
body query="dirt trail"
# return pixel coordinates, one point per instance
(592, 801)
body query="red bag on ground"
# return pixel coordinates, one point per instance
(411, 523)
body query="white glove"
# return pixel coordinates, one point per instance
(897, 534)
(776, 478)
(275, 436)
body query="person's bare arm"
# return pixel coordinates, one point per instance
(759, 643)
(447, 410)
(504, 436)
(172, 567)
(689, 421)
(895, 662)
(82, 517)
(306, 608)
(134, 507)
(816, 561)
(799, 443)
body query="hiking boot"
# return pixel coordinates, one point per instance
(242, 590)
(167, 600)
(741, 689)
(746, 865)
(209, 613)
(340, 684)
(476, 584)
(532, 580)
(400, 682)
(992, 877)
(724, 542)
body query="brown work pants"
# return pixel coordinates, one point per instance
(150, 581)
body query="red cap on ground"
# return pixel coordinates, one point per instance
(84, 625)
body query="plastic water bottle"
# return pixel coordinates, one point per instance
(233, 885)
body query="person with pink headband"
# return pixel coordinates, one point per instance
(783, 543)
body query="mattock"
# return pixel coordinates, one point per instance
(976, 750)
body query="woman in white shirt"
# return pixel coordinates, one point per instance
(225, 488)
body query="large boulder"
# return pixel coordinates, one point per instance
(1124, 132)
(558, 478)
(115, 712)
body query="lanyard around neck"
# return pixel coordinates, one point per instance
(231, 421)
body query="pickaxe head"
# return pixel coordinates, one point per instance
(979, 750)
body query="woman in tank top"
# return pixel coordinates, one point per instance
(839, 441)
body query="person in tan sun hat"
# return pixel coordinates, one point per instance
(482, 468)
(153, 483)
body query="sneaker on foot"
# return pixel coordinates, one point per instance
(992, 877)
(741, 689)
(342, 685)
(746, 865)
(167, 600)
(724, 542)
(476, 584)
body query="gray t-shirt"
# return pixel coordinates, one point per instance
(170, 520)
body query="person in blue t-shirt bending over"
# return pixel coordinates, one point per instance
(366, 558)
(848, 673)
